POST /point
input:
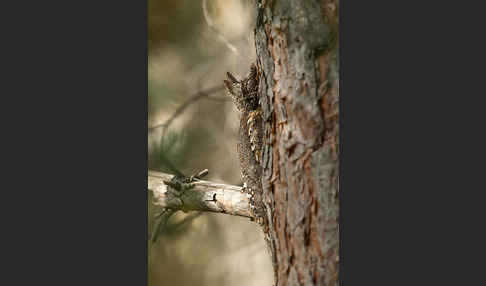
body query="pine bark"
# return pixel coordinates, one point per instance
(297, 53)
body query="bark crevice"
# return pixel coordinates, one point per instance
(296, 51)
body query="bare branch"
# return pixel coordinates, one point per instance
(205, 196)
(199, 95)
(211, 25)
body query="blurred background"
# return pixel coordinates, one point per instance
(192, 126)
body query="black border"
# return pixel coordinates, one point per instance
(74, 141)
(75, 150)
(406, 87)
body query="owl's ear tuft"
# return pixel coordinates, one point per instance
(231, 77)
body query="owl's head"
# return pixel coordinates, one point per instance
(235, 89)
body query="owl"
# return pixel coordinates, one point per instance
(245, 97)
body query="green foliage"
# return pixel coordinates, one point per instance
(166, 156)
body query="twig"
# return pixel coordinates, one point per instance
(211, 25)
(218, 98)
(180, 109)
(205, 196)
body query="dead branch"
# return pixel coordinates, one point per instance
(199, 95)
(205, 196)
(211, 26)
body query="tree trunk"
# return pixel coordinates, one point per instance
(297, 53)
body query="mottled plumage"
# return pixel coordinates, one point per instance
(245, 96)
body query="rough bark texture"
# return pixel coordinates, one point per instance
(297, 54)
